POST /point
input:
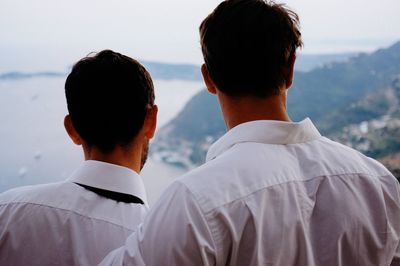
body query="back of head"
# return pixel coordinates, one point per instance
(107, 96)
(248, 46)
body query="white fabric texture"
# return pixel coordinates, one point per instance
(273, 193)
(65, 224)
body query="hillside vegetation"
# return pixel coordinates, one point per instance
(355, 102)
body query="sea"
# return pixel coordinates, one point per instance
(35, 149)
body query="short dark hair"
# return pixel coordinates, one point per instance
(107, 96)
(248, 46)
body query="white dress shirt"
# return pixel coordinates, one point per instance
(66, 224)
(273, 193)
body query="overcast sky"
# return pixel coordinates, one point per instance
(51, 35)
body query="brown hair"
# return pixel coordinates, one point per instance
(107, 98)
(248, 46)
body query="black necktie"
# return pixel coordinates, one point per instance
(113, 195)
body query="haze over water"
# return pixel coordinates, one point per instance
(35, 147)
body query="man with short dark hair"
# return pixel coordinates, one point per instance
(110, 100)
(272, 192)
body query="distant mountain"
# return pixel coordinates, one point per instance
(308, 62)
(336, 85)
(185, 140)
(373, 105)
(22, 75)
(360, 92)
(372, 124)
(166, 71)
(157, 70)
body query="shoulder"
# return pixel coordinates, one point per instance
(348, 162)
(248, 167)
(35, 202)
(352, 160)
(39, 194)
(60, 218)
(68, 202)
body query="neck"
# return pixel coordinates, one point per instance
(126, 157)
(239, 110)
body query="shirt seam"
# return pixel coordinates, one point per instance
(65, 210)
(215, 156)
(281, 183)
(212, 231)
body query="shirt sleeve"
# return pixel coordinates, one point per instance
(396, 258)
(175, 232)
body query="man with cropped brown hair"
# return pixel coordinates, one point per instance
(272, 192)
(250, 43)
(112, 116)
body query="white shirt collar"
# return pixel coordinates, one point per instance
(265, 131)
(110, 177)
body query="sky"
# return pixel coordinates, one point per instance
(48, 35)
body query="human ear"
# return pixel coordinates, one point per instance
(289, 80)
(207, 80)
(72, 133)
(150, 122)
